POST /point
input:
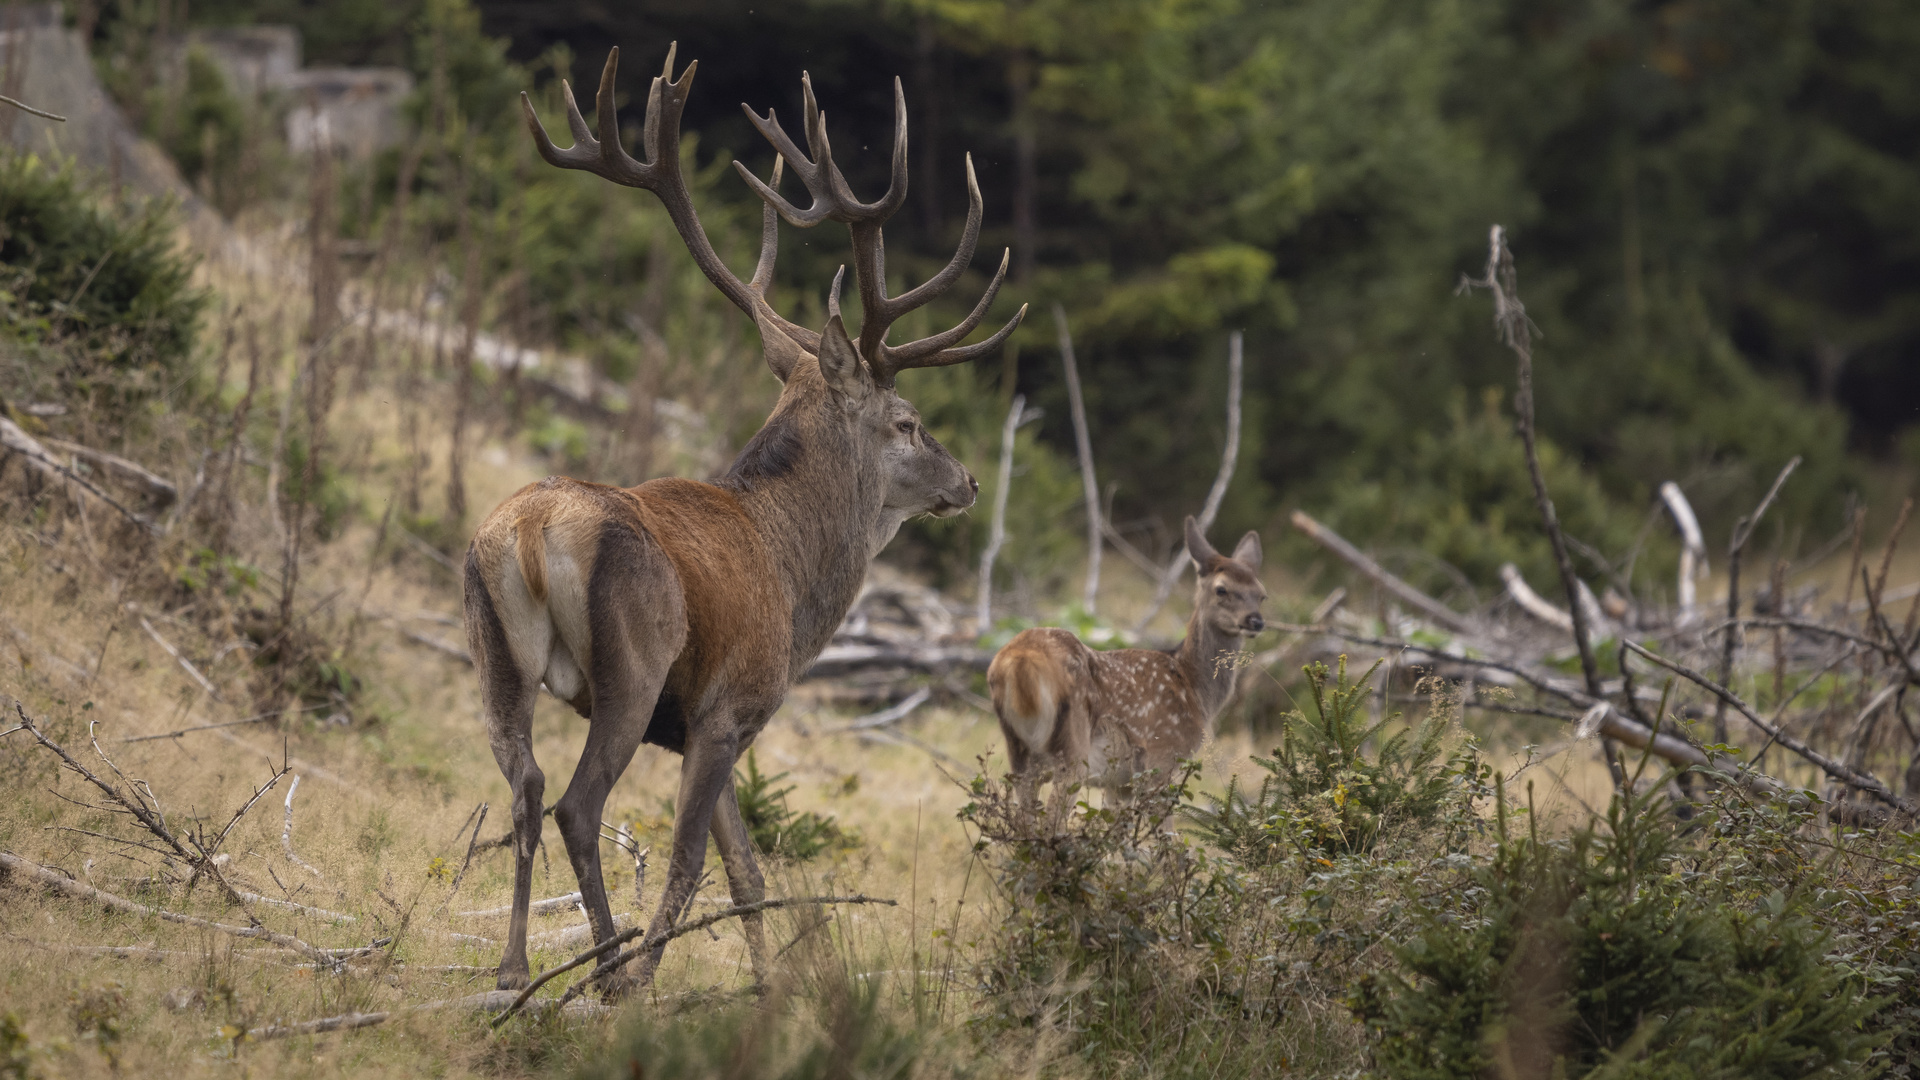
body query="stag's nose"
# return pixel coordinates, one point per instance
(1255, 624)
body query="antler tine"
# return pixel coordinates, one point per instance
(769, 240)
(603, 156)
(939, 283)
(833, 294)
(832, 198)
(936, 350)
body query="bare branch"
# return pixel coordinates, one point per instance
(1412, 597)
(184, 663)
(286, 834)
(1229, 457)
(1017, 415)
(24, 107)
(1083, 445)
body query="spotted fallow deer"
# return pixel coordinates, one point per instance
(1106, 717)
(678, 612)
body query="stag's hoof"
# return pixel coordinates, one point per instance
(513, 980)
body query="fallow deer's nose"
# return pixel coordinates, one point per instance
(972, 484)
(1256, 624)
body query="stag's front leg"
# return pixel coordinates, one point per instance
(705, 776)
(743, 875)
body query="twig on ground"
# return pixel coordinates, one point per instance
(185, 664)
(15, 440)
(538, 907)
(655, 941)
(886, 716)
(1229, 457)
(437, 645)
(60, 883)
(1532, 602)
(262, 718)
(486, 1002)
(473, 841)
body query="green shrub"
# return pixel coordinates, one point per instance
(105, 277)
(1616, 951)
(1322, 794)
(777, 830)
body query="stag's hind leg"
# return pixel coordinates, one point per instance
(635, 626)
(744, 882)
(705, 775)
(507, 695)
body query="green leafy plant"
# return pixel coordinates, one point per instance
(777, 830)
(1324, 793)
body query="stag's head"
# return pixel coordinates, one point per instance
(837, 391)
(1228, 594)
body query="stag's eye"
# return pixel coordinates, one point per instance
(1219, 590)
(906, 427)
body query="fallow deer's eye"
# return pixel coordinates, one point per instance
(1219, 590)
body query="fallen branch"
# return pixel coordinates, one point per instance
(1741, 531)
(488, 1001)
(1532, 602)
(61, 883)
(13, 439)
(1838, 771)
(184, 663)
(302, 909)
(1412, 597)
(887, 716)
(655, 941)
(159, 490)
(933, 659)
(437, 645)
(1229, 457)
(262, 718)
(538, 907)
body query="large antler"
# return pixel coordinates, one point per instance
(660, 174)
(834, 200)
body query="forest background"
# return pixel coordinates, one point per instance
(1710, 200)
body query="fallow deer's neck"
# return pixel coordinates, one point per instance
(1207, 657)
(823, 522)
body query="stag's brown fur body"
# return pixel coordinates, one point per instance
(677, 612)
(1107, 717)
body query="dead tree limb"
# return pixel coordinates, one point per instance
(1837, 770)
(62, 884)
(1412, 597)
(185, 664)
(1017, 415)
(492, 999)
(884, 717)
(1693, 548)
(1083, 444)
(17, 441)
(1741, 531)
(1229, 458)
(286, 834)
(1532, 602)
(159, 490)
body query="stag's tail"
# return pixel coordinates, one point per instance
(1030, 685)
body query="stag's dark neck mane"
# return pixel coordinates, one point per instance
(815, 492)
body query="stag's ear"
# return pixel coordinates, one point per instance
(1247, 551)
(1197, 546)
(781, 351)
(840, 362)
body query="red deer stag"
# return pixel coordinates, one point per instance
(1108, 716)
(677, 613)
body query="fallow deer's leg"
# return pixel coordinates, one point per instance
(1026, 779)
(743, 875)
(705, 775)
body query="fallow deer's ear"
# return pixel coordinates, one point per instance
(1247, 551)
(840, 362)
(1197, 546)
(781, 351)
